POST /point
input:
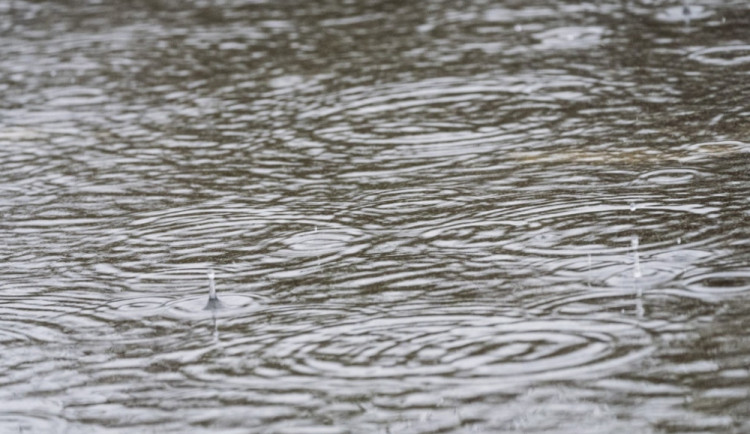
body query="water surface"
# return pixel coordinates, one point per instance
(423, 216)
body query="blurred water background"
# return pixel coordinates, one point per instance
(428, 216)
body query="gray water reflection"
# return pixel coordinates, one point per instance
(421, 216)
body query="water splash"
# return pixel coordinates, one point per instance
(213, 300)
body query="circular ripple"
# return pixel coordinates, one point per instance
(727, 282)
(459, 346)
(439, 118)
(731, 55)
(669, 176)
(681, 14)
(570, 227)
(273, 237)
(52, 319)
(311, 248)
(317, 242)
(190, 306)
(651, 273)
(580, 228)
(322, 242)
(470, 235)
(231, 304)
(707, 149)
(132, 308)
(184, 224)
(14, 332)
(570, 37)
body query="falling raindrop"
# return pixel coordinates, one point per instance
(637, 275)
(636, 263)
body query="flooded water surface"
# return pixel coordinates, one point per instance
(435, 216)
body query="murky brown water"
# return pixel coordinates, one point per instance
(429, 216)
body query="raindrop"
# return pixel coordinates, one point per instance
(686, 13)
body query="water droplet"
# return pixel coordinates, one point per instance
(636, 263)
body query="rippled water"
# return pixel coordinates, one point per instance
(427, 216)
